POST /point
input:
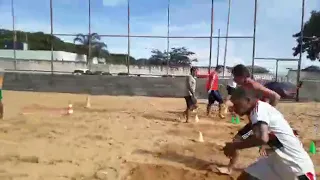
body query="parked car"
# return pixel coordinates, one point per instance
(81, 71)
(286, 90)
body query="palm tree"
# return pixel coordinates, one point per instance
(96, 45)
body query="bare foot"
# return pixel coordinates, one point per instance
(224, 170)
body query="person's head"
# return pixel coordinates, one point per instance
(243, 100)
(219, 69)
(193, 71)
(240, 73)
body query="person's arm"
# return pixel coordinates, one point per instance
(260, 137)
(260, 121)
(245, 132)
(271, 95)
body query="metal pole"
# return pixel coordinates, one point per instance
(128, 56)
(51, 32)
(211, 34)
(301, 49)
(226, 43)
(14, 36)
(168, 34)
(277, 64)
(254, 36)
(218, 48)
(89, 36)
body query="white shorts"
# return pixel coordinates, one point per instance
(273, 168)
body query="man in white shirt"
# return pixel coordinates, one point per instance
(190, 91)
(288, 159)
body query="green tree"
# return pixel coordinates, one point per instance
(180, 56)
(311, 40)
(97, 47)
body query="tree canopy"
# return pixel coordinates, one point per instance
(176, 56)
(311, 40)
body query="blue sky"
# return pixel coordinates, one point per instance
(276, 22)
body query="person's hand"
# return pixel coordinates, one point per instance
(263, 151)
(209, 91)
(229, 149)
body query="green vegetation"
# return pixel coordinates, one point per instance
(39, 41)
(311, 42)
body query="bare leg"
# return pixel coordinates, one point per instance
(1, 110)
(221, 115)
(208, 109)
(187, 114)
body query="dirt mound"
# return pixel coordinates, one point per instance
(166, 172)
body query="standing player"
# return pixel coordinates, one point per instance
(190, 97)
(213, 91)
(288, 159)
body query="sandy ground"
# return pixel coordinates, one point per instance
(125, 138)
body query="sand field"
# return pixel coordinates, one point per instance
(122, 138)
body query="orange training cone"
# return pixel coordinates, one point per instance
(70, 109)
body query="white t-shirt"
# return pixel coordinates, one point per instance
(282, 139)
(231, 83)
(190, 83)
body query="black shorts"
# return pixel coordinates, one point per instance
(190, 101)
(230, 90)
(214, 96)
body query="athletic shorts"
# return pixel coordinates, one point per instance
(0, 94)
(190, 101)
(214, 96)
(230, 90)
(274, 168)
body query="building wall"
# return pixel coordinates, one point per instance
(304, 75)
(46, 55)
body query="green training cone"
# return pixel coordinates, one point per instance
(312, 148)
(233, 120)
(237, 120)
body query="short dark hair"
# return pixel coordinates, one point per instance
(219, 67)
(240, 70)
(240, 93)
(193, 69)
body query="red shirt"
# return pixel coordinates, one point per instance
(213, 81)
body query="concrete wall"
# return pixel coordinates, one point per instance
(38, 65)
(122, 85)
(69, 66)
(46, 55)
(102, 85)
(304, 75)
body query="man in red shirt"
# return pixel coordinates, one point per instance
(213, 90)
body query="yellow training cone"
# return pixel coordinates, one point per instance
(88, 104)
(200, 137)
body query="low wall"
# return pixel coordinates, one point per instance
(310, 90)
(70, 66)
(101, 85)
(122, 85)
